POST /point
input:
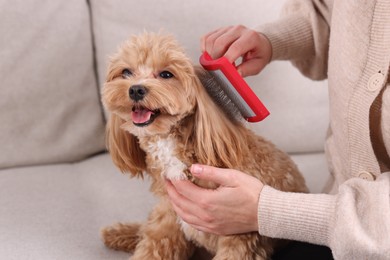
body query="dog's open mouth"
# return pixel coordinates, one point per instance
(142, 116)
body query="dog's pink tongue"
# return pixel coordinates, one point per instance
(140, 116)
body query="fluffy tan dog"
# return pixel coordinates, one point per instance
(162, 121)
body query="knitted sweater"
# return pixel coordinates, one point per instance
(347, 42)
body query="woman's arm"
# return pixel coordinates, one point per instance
(355, 223)
(301, 35)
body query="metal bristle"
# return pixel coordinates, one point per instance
(216, 88)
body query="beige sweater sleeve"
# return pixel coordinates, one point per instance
(302, 36)
(355, 223)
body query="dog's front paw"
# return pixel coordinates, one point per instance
(177, 174)
(123, 237)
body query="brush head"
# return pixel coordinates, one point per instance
(234, 88)
(232, 94)
(215, 87)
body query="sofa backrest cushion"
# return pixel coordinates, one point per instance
(49, 103)
(298, 106)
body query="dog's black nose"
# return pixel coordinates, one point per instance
(137, 92)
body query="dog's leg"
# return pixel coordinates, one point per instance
(250, 246)
(124, 237)
(162, 237)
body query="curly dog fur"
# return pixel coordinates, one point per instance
(161, 121)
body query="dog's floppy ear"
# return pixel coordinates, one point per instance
(124, 148)
(218, 141)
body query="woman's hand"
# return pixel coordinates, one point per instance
(229, 209)
(238, 41)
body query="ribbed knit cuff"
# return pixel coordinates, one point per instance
(291, 37)
(296, 216)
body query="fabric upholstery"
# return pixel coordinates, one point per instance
(49, 104)
(54, 195)
(57, 211)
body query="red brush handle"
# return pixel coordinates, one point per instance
(231, 74)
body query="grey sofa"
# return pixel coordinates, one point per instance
(58, 186)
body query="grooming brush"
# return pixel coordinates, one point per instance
(230, 90)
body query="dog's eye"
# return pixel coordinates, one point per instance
(166, 75)
(126, 73)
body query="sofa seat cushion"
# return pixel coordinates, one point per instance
(57, 211)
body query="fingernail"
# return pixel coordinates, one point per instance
(196, 169)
